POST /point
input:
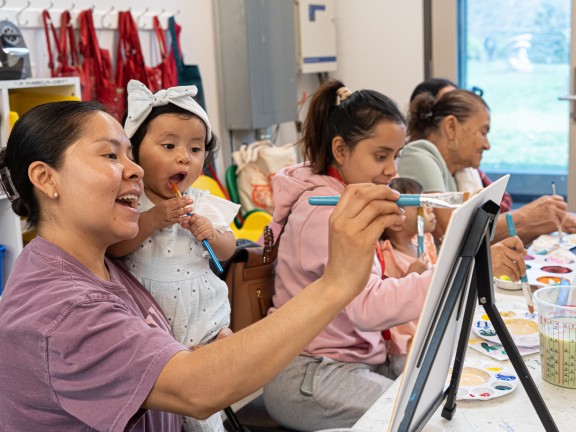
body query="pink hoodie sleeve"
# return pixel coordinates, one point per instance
(384, 303)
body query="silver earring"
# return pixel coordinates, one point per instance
(56, 195)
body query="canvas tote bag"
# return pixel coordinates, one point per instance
(257, 163)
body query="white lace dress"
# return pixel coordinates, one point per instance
(174, 267)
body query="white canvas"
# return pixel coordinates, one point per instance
(439, 287)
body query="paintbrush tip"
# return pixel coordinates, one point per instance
(175, 189)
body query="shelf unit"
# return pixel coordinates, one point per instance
(10, 225)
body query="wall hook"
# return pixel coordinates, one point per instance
(104, 15)
(22, 24)
(6, 1)
(141, 15)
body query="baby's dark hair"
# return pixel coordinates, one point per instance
(406, 185)
(138, 137)
(42, 134)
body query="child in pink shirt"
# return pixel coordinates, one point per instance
(399, 246)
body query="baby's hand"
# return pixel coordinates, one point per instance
(224, 332)
(169, 212)
(200, 227)
(420, 265)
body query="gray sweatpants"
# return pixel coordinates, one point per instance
(336, 394)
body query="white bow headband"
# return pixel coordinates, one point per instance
(141, 101)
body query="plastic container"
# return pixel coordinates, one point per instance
(556, 307)
(2, 250)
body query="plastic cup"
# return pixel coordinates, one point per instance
(556, 308)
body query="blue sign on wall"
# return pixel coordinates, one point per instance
(312, 11)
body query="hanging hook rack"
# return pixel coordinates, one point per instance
(6, 1)
(104, 15)
(22, 24)
(140, 16)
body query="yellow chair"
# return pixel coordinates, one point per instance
(254, 223)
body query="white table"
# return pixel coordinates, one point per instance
(510, 413)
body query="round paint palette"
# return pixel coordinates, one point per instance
(521, 325)
(483, 380)
(506, 284)
(552, 263)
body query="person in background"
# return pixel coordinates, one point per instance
(538, 217)
(349, 137)
(400, 243)
(399, 247)
(172, 140)
(84, 345)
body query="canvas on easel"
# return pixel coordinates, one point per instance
(440, 340)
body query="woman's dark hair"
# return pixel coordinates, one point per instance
(406, 185)
(42, 134)
(138, 137)
(433, 86)
(354, 119)
(426, 113)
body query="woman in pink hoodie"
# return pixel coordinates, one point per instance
(349, 137)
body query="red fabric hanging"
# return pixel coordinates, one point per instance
(68, 62)
(97, 66)
(167, 65)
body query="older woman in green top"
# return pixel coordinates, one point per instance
(451, 133)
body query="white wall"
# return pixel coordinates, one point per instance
(380, 45)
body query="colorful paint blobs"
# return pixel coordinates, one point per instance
(506, 377)
(559, 259)
(488, 333)
(521, 325)
(549, 280)
(487, 347)
(556, 269)
(551, 261)
(483, 380)
(504, 282)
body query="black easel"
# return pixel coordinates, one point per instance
(472, 268)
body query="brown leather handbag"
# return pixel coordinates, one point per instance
(250, 276)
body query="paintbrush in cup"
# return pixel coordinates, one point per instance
(204, 242)
(523, 279)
